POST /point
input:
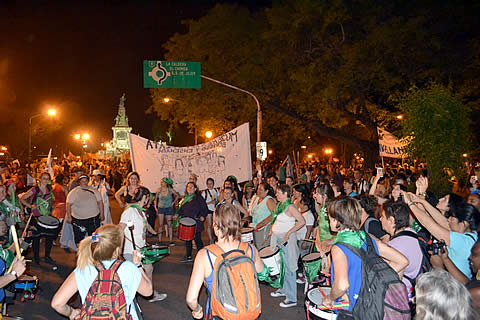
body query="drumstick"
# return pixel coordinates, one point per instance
(13, 230)
(26, 227)
(321, 291)
(130, 227)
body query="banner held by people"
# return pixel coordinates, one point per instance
(390, 146)
(228, 154)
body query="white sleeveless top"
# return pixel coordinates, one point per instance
(283, 224)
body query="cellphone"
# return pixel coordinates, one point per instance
(380, 172)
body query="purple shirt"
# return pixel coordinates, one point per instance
(410, 248)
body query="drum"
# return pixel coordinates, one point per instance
(315, 309)
(272, 259)
(311, 265)
(247, 234)
(259, 236)
(25, 283)
(48, 225)
(186, 229)
(153, 253)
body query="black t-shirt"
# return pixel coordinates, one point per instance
(374, 227)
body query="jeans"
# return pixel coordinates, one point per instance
(198, 243)
(290, 279)
(36, 246)
(84, 227)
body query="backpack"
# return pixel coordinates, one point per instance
(105, 298)
(426, 265)
(382, 294)
(235, 290)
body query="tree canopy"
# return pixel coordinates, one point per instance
(320, 68)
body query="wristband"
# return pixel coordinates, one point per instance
(70, 311)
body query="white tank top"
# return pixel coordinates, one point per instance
(283, 224)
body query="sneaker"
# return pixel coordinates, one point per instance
(288, 304)
(172, 244)
(49, 260)
(277, 294)
(186, 259)
(300, 281)
(158, 297)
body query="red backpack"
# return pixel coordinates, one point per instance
(105, 298)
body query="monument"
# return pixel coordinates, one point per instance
(119, 143)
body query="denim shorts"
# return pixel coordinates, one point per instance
(166, 211)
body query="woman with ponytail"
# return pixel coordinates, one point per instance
(101, 250)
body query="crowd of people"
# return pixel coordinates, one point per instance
(429, 245)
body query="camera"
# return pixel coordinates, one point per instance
(436, 246)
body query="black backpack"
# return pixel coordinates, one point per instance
(382, 294)
(426, 265)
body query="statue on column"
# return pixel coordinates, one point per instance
(122, 101)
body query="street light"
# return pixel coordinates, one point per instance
(77, 136)
(208, 134)
(51, 112)
(166, 100)
(399, 117)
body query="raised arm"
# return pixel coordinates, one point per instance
(438, 231)
(118, 196)
(394, 258)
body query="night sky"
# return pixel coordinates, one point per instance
(81, 56)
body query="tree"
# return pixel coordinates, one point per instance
(437, 125)
(320, 68)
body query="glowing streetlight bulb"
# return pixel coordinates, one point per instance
(208, 134)
(77, 136)
(310, 156)
(86, 136)
(400, 117)
(52, 112)
(270, 151)
(166, 100)
(463, 155)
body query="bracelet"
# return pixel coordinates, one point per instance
(70, 311)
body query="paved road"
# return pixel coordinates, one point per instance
(170, 276)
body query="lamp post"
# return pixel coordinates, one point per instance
(51, 113)
(259, 109)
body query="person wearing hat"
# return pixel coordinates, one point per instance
(84, 209)
(77, 171)
(102, 186)
(165, 199)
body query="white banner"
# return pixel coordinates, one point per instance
(389, 145)
(228, 154)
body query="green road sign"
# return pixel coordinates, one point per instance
(171, 74)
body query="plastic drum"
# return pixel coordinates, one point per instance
(48, 225)
(311, 262)
(247, 234)
(153, 253)
(315, 309)
(271, 257)
(186, 229)
(25, 283)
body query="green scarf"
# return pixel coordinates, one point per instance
(416, 226)
(44, 206)
(353, 238)
(281, 206)
(187, 198)
(136, 206)
(324, 225)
